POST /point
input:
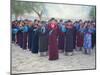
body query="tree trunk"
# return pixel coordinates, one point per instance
(40, 16)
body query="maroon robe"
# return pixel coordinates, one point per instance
(24, 40)
(61, 41)
(53, 47)
(79, 39)
(17, 39)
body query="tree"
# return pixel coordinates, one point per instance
(38, 8)
(16, 8)
(93, 12)
(21, 7)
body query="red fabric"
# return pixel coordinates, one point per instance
(61, 40)
(52, 47)
(17, 40)
(79, 39)
(25, 40)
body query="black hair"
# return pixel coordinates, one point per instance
(35, 20)
(60, 20)
(69, 21)
(65, 22)
(26, 20)
(52, 19)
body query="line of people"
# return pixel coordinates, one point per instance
(50, 38)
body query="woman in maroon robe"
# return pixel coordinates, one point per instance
(52, 41)
(25, 36)
(79, 38)
(18, 33)
(61, 37)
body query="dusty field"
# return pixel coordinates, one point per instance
(23, 61)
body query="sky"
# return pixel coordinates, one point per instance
(68, 11)
(64, 11)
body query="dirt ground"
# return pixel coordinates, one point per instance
(23, 61)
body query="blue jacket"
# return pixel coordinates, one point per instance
(25, 28)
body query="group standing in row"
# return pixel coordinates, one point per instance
(50, 38)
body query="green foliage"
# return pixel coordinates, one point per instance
(21, 7)
(17, 7)
(93, 12)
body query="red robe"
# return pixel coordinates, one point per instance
(79, 39)
(53, 47)
(61, 40)
(25, 40)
